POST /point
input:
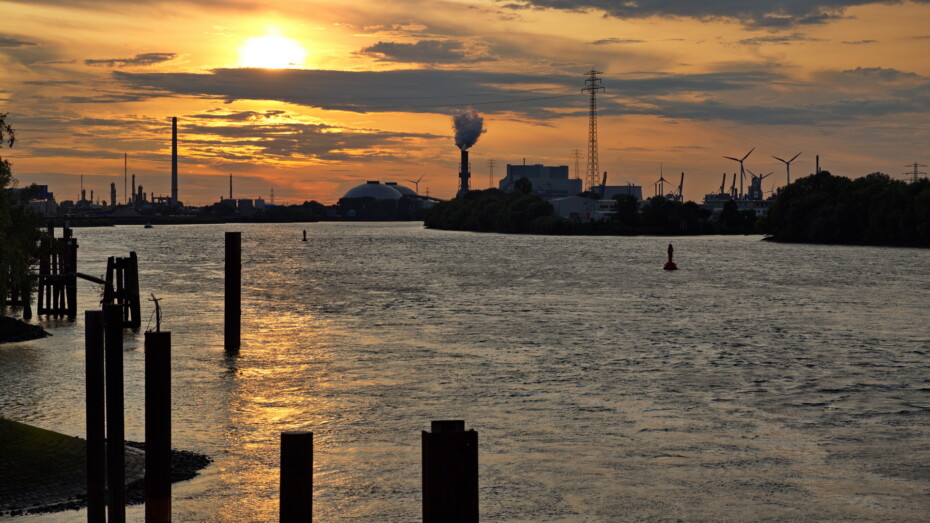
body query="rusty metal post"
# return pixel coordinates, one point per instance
(116, 433)
(96, 420)
(157, 427)
(233, 310)
(450, 473)
(296, 477)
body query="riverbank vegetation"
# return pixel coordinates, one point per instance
(872, 210)
(19, 229)
(492, 210)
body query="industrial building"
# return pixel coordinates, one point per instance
(548, 182)
(376, 200)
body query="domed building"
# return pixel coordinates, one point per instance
(374, 200)
(375, 190)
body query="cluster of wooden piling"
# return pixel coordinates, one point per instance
(106, 446)
(57, 293)
(121, 287)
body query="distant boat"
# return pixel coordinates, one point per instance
(148, 225)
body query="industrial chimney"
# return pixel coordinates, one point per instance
(464, 175)
(468, 127)
(174, 160)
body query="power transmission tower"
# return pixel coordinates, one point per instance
(916, 172)
(577, 156)
(592, 86)
(491, 174)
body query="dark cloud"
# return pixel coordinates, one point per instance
(859, 42)
(778, 39)
(425, 90)
(138, 60)
(52, 82)
(881, 74)
(746, 96)
(240, 116)
(609, 41)
(784, 13)
(7, 40)
(424, 51)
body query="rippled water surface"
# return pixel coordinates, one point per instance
(760, 381)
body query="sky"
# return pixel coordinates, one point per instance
(308, 99)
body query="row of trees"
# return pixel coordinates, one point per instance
(523, 212)
(872, 210)
(19, 228)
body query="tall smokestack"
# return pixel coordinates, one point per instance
(132, 199)
(174, 160)
(464, 175)
(468, 127)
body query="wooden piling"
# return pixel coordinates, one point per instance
(132, 291)
(116, 450)
(296, 503)
(233, 309)
(157, 427)
(450, 473)
(96, 421)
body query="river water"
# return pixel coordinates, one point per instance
(759, 382)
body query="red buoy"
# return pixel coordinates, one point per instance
(670, 266)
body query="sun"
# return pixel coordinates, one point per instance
(271, 51)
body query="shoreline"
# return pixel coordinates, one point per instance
(45, 471)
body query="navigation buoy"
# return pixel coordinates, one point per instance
(670, 266)
(305, 234)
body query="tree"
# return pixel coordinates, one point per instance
(523, 186)
(19, 232)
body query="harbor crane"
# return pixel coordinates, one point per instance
(742, 170)
(681, 185)
(788, 165)
(723, 182)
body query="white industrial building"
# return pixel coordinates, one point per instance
(548, 182)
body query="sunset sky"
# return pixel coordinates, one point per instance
(312, 98)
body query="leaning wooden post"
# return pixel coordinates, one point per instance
(233, 309)
(157, 427)
(132, 290)
(96, 421)
(296, 477)
(450, 473)
(116, 450)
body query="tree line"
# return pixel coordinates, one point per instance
(872, 210)
(520, 211)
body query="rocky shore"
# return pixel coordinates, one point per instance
(43, 471)
(12, 330)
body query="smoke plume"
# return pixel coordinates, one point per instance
(468, 127)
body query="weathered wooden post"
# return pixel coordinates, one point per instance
(70, 255)
(233, 310)
(132, 290)
(96, 421)
(296, 477)
(157, 427)
(116, 450)
(450, 473)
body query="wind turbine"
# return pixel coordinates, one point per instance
(416, 183)
(742, 171)
(787, 165)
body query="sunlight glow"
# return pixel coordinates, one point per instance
(271, 51)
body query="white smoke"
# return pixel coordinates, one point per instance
(468, 127)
